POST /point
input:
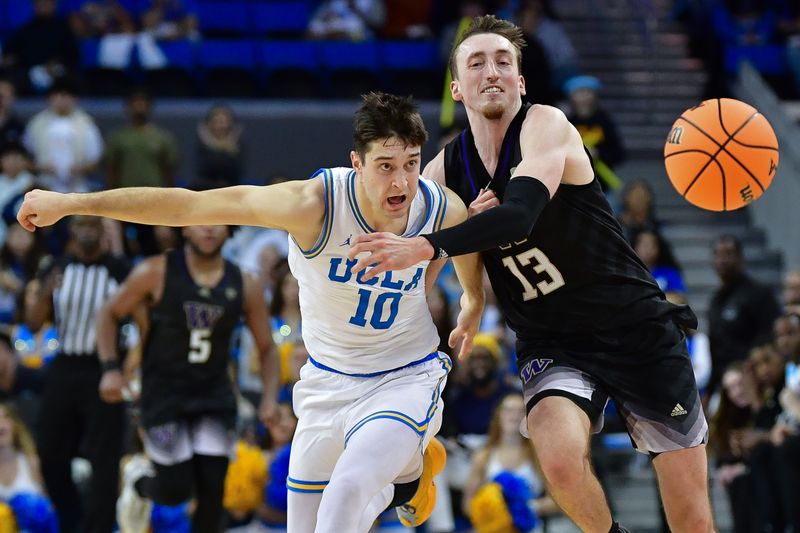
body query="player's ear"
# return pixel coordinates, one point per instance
(455, 90)
(355, 160)
(522, 85)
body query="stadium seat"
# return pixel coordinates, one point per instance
(17, 13)
(352, 68)
(282, 18)
(100, 81)
(224, 19)
(176, 79)
(291, 68)
(230, 67)
(412, 67)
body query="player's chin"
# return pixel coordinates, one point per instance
(493, 110)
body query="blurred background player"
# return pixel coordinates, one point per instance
(194, 300)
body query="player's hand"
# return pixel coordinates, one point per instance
(42, 208)
(268, 411)
(112, 386)
(467, 325)
(387, 251)
(486, 200)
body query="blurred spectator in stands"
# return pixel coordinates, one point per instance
(734, 413)
(791, 292)
(786, 436)
(353, 20)
(15, 177)
(767, 368)
(140, 154)
(11, 126)
(171, 19)
(656, 253)
(42, 49)
(19, 462)
(537, 70)
(272, 512)
(638, 209)
(597, 128)
(19, 259)
(534, 20)
(742, 310)
(471, 401)
(34, 337)
(507, 450)
(407, 20)
(787, 336)
(472, 404)
(748, 30)
(285, 317)
(220, 157)
(98, 18)
(64, 140)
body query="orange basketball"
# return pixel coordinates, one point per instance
(721, 154)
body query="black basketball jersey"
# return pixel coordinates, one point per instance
(187, 352)
(575, 282)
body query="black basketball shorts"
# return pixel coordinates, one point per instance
(654, 389)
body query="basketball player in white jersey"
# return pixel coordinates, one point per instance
(369, 400)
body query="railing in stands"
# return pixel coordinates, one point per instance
(778, 211)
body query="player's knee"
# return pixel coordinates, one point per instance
(348, 486)
(562, 464)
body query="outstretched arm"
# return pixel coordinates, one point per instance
(140, 288)
(546, 139)
(289, 206)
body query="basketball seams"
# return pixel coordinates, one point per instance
(722, 148)
(740, 143)
(697, 150)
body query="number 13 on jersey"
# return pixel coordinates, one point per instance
(541, 264)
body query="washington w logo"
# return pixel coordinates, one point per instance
(747, 194)
(675, 135)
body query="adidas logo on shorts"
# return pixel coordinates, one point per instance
(678, 410)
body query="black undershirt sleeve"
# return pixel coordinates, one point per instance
(513, 220)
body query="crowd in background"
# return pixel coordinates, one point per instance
(746, 362)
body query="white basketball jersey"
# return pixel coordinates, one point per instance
(363, 327)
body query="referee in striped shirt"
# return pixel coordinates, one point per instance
(73, 419)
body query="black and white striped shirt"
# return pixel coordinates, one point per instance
(81, 292)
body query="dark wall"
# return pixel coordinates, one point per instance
(292, 139)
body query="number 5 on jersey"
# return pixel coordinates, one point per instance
(199, 345)
(541, 264)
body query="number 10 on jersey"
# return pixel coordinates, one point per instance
(376, 319)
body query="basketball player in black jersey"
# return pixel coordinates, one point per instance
(188, 408)
(590, 320)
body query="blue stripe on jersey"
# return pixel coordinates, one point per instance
(419, 427)
(439, 220)
(351, 198)
(429, 205)
(296, 485)
(326, 368)
(327, 223)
